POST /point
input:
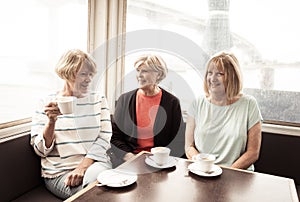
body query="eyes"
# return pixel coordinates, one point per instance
(144, 71)
(86, 74)
(218, 74)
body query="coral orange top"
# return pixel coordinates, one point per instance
(146, 110)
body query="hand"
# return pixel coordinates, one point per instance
(75, 177)
(128, 156)
(52, 111)
(191, 153)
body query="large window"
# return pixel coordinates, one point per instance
(262, 33)
(34, 33)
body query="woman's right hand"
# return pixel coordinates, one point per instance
(128, 156)
(52, 111)
(191, 153)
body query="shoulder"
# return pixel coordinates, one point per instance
(248, 98)
(247, 101)
(168, 95)
(129, 93)
(200, 100)
(126, 97)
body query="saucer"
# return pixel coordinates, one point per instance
(216, 170)
(113, 178)
(171, 162)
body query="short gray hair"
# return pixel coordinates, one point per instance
(155, 62)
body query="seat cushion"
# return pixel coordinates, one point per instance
(37, 194)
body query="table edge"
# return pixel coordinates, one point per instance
(90, 186)
(292, 186)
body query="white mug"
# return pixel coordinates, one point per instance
(65, 104)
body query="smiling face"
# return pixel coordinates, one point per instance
(146, 76)
(215, 79)
(82, 82)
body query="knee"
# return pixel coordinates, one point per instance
(93, 171)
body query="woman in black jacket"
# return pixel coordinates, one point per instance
(148, 116)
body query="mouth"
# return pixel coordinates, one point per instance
(85, 86)
(141, 81)
(214, 85)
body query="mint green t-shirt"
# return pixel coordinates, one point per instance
(222, 130)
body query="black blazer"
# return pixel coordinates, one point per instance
(168, 126)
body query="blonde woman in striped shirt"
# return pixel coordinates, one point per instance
(72, 147)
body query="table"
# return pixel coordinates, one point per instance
(177, 184)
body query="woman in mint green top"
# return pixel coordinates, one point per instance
(224, 122)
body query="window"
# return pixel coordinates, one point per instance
(261, 33)
(34, 34)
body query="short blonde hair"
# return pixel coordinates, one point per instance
(155, 62)
(227, 63)
(70, 63)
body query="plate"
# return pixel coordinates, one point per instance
(114, 178)
(217, 170)
(171, 162)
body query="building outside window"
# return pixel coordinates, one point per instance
(261, 33)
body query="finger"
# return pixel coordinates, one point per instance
(78, 180)
(67, 181)
(74, 181)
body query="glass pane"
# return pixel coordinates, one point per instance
(34, 33)
(262, 33)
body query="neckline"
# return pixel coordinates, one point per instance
(227, 105)
(149, 96)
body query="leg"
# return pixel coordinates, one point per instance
(58, 187)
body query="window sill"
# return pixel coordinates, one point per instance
(266, 127)
(281, 129)
(13, 129)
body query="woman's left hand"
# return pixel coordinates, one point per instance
(75, 177)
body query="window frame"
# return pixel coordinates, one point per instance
(106, 20)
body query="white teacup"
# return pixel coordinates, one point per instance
(161, 155)
(65, 104)
(205, 162)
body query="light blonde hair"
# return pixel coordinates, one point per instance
(71, 62)
(227, 63)
(155, 62)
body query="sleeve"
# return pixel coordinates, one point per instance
(102, 143)
(254, 114)
(119, 137)
(192, 109)
(39, 120)
(178, 128)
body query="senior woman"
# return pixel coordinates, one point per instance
(148, 116)
(225, 122)
(72, 147)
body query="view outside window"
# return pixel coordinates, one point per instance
(261, 33)
(34, 34)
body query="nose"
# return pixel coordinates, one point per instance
(88, 78)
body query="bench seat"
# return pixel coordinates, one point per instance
(20, 171)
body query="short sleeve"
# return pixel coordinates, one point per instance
(254, 114)
(192, 109)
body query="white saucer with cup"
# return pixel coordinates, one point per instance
(160, 155)
(205, 162)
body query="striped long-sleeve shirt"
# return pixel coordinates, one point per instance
(85, 133)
